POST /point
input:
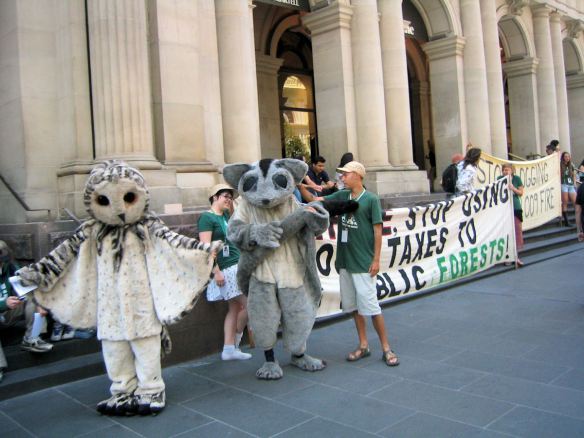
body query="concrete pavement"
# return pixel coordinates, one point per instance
(501, 356)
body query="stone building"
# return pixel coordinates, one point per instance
(178, 88)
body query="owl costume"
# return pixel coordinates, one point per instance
(126, 273)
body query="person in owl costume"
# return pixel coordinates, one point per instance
(126, 273)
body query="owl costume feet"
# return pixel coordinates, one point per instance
(150, 404)
(122, 404)
(308, 363)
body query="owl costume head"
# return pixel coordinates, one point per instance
(116, 194)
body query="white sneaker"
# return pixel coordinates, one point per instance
(35, 345)
(68, 333)
(235, 355)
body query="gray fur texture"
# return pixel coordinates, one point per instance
(308, 363)
(267, 221)
(270, 371)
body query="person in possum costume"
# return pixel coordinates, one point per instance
(126, 273)
(277, 267)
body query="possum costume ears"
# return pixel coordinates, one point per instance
(232, 173)
(296, 167)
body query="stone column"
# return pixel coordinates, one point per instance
(448, 101)
(395, 81)
(74, 105)
(523, 106)
(494, 78)
(237, 72)
(560, 76)
(546, 81)
(368, 77)
(333, 77)
(177, 83)
(270, 135)
(122, 103)
(475, 76)
(575, 84)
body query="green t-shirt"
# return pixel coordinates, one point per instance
(8, 270)
(567, 175)
(357, 253)
(516, 181)
(209, 221)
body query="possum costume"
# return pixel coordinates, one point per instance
(277, 266)
(126, 273)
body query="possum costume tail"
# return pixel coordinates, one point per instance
(338, 207)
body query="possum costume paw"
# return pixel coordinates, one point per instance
(308, 363)
(270, 371)
(267, 235)
(118, 404)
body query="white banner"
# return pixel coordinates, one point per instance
(541, 200)
(427, 246)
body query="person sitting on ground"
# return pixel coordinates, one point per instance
(12, 309)
(320, 178)
(212, 227)
(467, 170)
(516, 186)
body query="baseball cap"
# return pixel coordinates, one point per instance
(353, 166)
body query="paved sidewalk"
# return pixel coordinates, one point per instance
(502, 356)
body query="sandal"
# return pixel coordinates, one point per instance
(390, 358)
(358, 354)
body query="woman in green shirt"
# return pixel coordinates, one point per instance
(213, 226)
(568, 174)
(516, 186)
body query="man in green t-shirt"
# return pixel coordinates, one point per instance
(357, 260)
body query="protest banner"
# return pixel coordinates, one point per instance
(431, 245)
(541, 198)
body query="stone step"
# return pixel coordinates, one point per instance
(26, 380)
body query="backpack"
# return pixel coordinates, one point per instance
(449, 177)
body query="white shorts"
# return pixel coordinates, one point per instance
(359, 292)
(226, 292)
(568, 188)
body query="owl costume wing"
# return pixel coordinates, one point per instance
(179, 270)
(67, 279)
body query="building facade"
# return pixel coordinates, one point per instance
(179, 88)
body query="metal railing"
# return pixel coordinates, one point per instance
(21, 201)
(529, 157)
